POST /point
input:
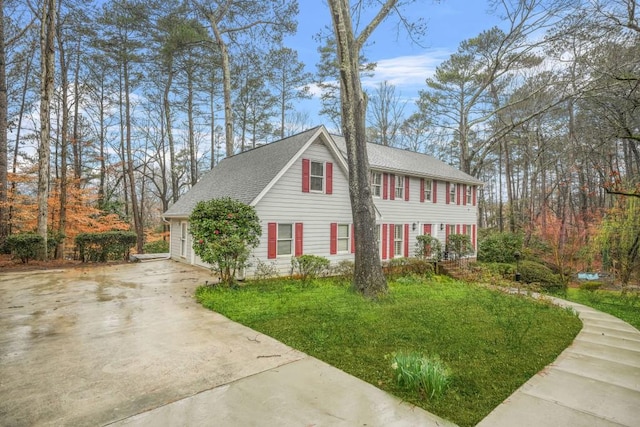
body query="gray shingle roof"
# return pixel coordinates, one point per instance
(409, 162)
(244, 176)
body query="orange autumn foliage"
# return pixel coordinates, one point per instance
(82, 213)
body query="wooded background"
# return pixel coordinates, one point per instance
(111, 110)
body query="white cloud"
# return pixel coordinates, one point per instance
(407, 72)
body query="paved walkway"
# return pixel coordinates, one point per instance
(594, 382)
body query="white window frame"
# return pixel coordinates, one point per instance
(376, 184)
(183, 239)
(398, 240)
(321, 177)
(468, 195)
(399, 184)
(428, 189)
(342, 239)
(452, 193)
(280, 239)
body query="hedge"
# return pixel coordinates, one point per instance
(102, 247)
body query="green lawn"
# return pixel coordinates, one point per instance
(625, 307)
(491, 342)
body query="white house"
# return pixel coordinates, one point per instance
(299, 189)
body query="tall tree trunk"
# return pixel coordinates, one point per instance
(167, 119)
(368, 277)
(193, 160)
(64, 131)
(135, 208)
(76, 141)
(47, 49)
(4, 161)
(102, 136)
(226, 85)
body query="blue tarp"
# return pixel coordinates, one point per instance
(588, 276)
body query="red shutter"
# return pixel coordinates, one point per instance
(353, 239)
(333, 236)
(392, 246)
(448, 195)
(305, 175)
(434, 191)
(383, 239)
(457, 194)
(392, 184)
(464, 194)
(406, 188)
(329, 187)
(474, 195)
(421, 190)
(473, 236)
(458, 229)
(385, 186)
(426, 229)
(406, 240)
(272, 240)
(299, 241)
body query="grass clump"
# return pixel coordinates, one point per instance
(490, 342)
(422, 374)
(623, 305)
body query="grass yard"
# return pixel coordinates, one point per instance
(491, 342)
(625, 307)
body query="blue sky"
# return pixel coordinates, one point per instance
(399, 60)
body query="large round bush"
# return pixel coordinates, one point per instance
(533, 272)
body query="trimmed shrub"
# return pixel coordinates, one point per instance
(24, 246)
(499, 247)
(157, 247)
(428, 247)
(103, 247)
(459, 245)
(310, 266)
(398, 267)
(536, 273)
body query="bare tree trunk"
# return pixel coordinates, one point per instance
(368, 277)
(226, 85)
(167, 118)
(62, 219)
(193, 160)
(4, 162)
(47, 37)
(76, 142)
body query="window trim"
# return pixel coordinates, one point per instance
(374, 185)
(452, 193)
(322, 177)
(346, 240)
(428, 186)
(290, 239)
(398, 238)
(469, 195)
(399, 187)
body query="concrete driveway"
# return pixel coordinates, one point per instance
(127, 344)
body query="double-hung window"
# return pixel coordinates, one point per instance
(397, 240)
(452, 192)
(285, 239)
(343, 237)
(399, 186)
(376, 184)
(428, 188)
(317, 176)
(469, 200)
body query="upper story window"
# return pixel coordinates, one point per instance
(452, 193)
(317, 176)
(376, 184)
(399, 186)
(428, 189)
(285, 239)
(468, 195)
